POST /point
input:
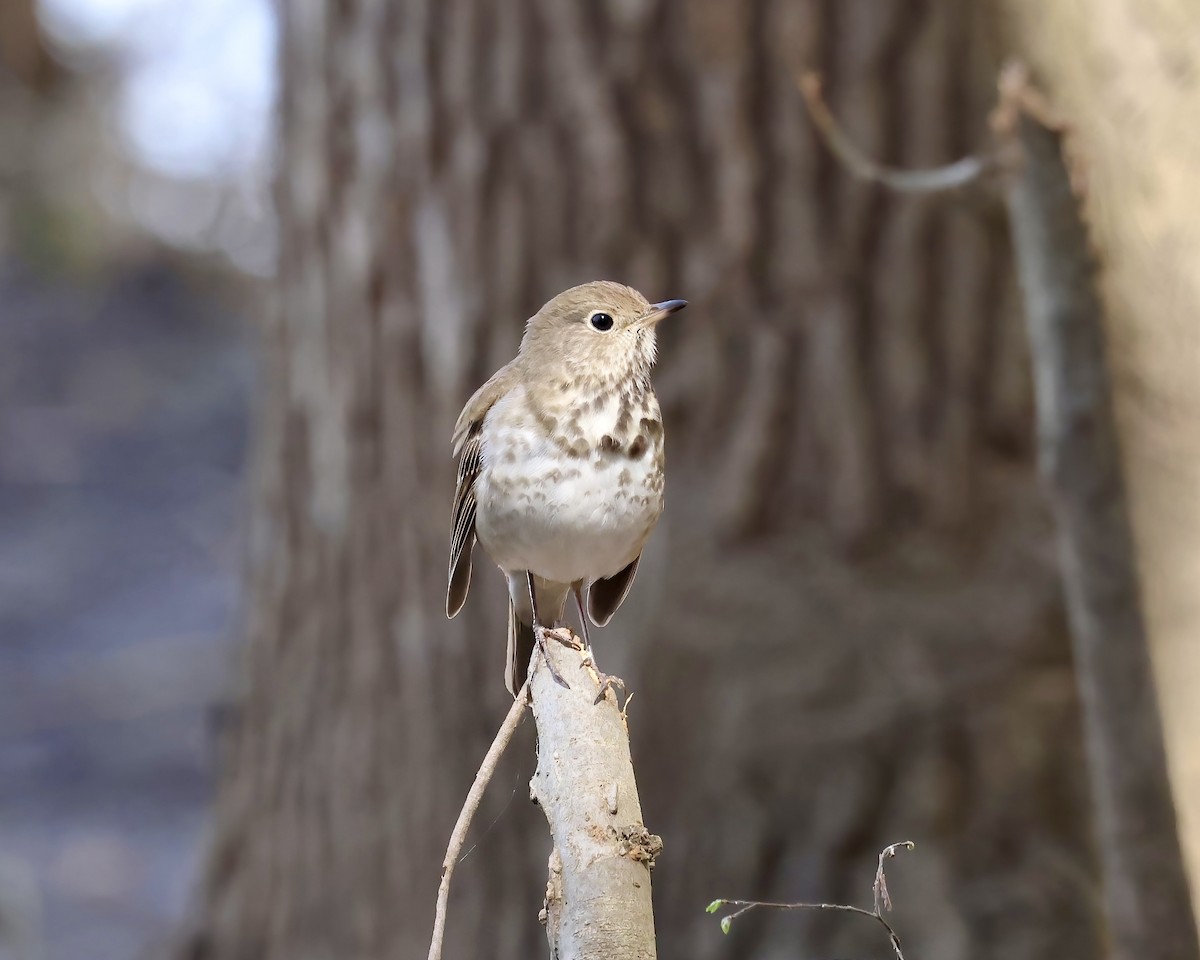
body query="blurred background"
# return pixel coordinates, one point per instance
(134, 214)
(254, 259)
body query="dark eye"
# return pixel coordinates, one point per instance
(602, 321)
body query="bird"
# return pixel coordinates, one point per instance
(560, 466)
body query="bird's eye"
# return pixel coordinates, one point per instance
(602, 321)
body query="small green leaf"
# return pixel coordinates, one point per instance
(714, 906)
(726, 923)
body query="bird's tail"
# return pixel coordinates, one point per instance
(520, 650)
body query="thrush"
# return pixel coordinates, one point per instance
(560, 465)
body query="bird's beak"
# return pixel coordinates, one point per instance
(660, 310)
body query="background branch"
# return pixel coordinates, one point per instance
(959, 174)
(879, 890)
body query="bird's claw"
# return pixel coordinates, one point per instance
(607, 683)
(539, 634)
(566, 638)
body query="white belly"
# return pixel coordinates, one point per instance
(561, 517)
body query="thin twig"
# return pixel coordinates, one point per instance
(879, 889)
(470, 806)
(954, 176)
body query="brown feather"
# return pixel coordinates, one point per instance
(462, 541)
(482, 401)
(468, 447)
(521, 643)
(606, 595)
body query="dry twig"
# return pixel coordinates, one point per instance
(470, 806)
(879, 890)
(953, 176)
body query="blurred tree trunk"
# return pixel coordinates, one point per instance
(1127, 89)
(29, 78)
(848, 630)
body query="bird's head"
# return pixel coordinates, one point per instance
(600, 331)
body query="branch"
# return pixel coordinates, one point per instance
(954, 176)
(1016, 97)
(598, 895)
(459, 836)
(879, 889)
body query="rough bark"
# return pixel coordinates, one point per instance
(1148, 905)
(848, 626)
(598, 903)
(1120, 73)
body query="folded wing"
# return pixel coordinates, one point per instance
(462, 540)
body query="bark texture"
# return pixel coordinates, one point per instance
(848, 627)
(1122, 75)
(598, 903)
(1148, 906)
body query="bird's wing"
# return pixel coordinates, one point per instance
(462, 540)
(608, 593)
(481, 402)
(468, 447)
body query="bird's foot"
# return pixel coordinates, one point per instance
(604, 680)
(539, 635)
(607, 682)
(568, 639)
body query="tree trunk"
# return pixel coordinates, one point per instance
(1126, 91)
(848, 629)
(1148, 909)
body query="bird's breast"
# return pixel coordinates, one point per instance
(571, 495)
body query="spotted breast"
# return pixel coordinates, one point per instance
(570, 491)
